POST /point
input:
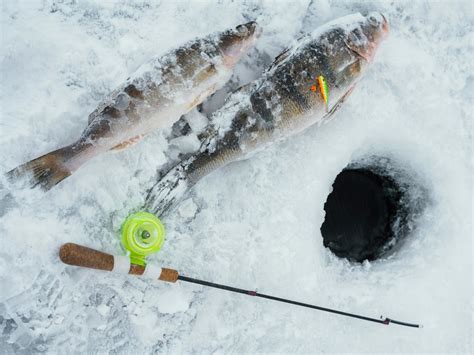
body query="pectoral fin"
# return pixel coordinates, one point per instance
(338, 103)
(126, 144)
(200, 98)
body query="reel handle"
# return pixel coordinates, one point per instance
(78, 255)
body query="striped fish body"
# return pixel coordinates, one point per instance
(276, 106)
(153, 98)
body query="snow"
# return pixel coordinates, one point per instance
(253, 224)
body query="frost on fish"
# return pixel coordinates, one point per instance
(173, 185)
(158, 94)
(281, 102)
(167, 191)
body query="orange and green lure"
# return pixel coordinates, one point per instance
(323, 88)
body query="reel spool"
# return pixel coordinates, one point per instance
(142, 234)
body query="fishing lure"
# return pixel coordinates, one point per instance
(323, 88)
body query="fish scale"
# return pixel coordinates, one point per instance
(154, 97)
(280, 103)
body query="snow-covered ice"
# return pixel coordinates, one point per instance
(253, 224)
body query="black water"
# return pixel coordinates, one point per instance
(360, 214)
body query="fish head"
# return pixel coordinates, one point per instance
(235, 43)
(203, 66)
(343, 49)
(365, 38)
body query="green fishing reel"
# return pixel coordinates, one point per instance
(142, 234)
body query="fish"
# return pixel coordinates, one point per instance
(154, 97)
(279, 104)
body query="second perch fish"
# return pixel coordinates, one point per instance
(152, 98)
(281, 103)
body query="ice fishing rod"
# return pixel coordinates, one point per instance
(142, 235)
(78, 255)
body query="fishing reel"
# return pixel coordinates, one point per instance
(142, 234)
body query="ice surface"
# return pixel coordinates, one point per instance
(253, 224)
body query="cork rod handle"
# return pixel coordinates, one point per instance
(78, 255)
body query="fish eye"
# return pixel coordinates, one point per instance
(373, 21)
(242, 29)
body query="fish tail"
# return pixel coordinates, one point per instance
(168, 190)
(173, 185)
(50, 169)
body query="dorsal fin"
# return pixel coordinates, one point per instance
(108, 101)
(280, 58)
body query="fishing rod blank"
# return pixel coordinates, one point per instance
(296, 303)
(78, 255)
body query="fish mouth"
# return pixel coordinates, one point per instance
(379, 36)
(385, 26)
(258, 30)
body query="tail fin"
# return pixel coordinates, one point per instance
(168, 190)
(49, 169)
